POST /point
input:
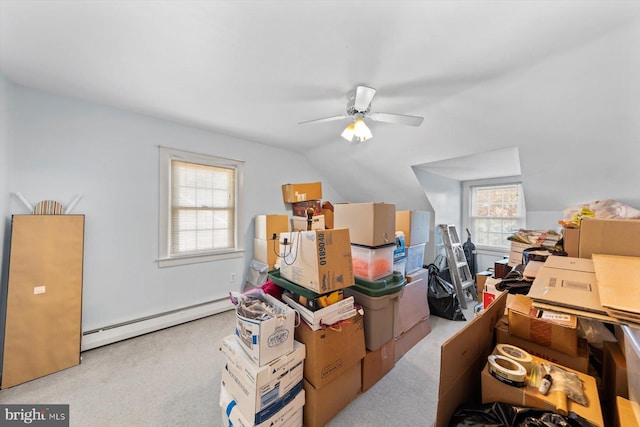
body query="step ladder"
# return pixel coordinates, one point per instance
(457, 262)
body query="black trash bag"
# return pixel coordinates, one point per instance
(442, 298)
(499, 414)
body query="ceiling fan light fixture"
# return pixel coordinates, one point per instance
(362, 131)
(349, 132)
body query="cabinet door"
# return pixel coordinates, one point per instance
(44, 298)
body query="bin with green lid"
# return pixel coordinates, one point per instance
(380, 300)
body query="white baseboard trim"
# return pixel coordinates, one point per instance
(109, 335)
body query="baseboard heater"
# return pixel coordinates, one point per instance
(110, 334)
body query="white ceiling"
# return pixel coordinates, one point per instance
(479, 71)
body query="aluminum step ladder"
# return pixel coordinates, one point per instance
(457, 262)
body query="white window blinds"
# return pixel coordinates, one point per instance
(203, 207)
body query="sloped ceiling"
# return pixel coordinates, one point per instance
(558, 81)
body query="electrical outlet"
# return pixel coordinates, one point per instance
(233, 277)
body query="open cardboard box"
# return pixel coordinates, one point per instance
(462, 358)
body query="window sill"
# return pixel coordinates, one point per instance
(195, 259)
(491, 250)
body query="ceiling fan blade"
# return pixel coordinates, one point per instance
(326, 119)
(400, 119)
(364, 95)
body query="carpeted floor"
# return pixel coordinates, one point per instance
(172, 378)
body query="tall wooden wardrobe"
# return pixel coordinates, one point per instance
(44, 297)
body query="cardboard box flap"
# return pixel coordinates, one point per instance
(462, 359)
(616, 276)
(524, 306)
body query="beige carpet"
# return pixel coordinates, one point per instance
(172, 378)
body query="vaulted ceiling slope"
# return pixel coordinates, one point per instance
(559, 81)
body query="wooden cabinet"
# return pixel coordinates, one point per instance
(44, 297)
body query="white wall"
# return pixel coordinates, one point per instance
(5, 159)
(63, 147)
(5, 219)
(445, 196)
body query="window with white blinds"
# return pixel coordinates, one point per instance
(497, 211)
(201, 198)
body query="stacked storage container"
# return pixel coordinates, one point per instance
(378, 286)
(266, 238)
(412, 323)
(262, 382)
(415, 227)
(332, 369)
(316, 267)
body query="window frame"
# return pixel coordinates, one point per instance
(467, 206)
(165, 257)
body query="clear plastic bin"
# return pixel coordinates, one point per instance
(415, 257)
(372, 263)
(400, 265)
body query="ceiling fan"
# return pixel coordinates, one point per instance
(359, 108)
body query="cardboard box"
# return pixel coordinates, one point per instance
(266, 251)
(571, 241)
(255, 388)
(376, 364)
(614, 379)
(569, 285)
(515, 253)
(405, 342)
(462, 358)
(266, 226)
(324, 403)
(264, 341)
(369, 224)
(327, 211)
(494, 390)
(300, 223)
(319, 260)
(331, 352)
(580, 362)
(413, 306)
(609, 236)
(300, 208)
(292, 193)
(481, 278)
(490, 293)
(414, 225)
(617, 287)
(628, 413)
(558, 331)
(289, 415)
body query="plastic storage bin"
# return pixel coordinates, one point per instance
(372, 263)
(632, 353)
(400, 265)
(380, 300)
(415, 257)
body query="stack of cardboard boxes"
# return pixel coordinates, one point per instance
(266, 245)
(348, 248)
(261, 383)
(320, 261)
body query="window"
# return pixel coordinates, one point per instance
(496, 212)
(199, 207)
